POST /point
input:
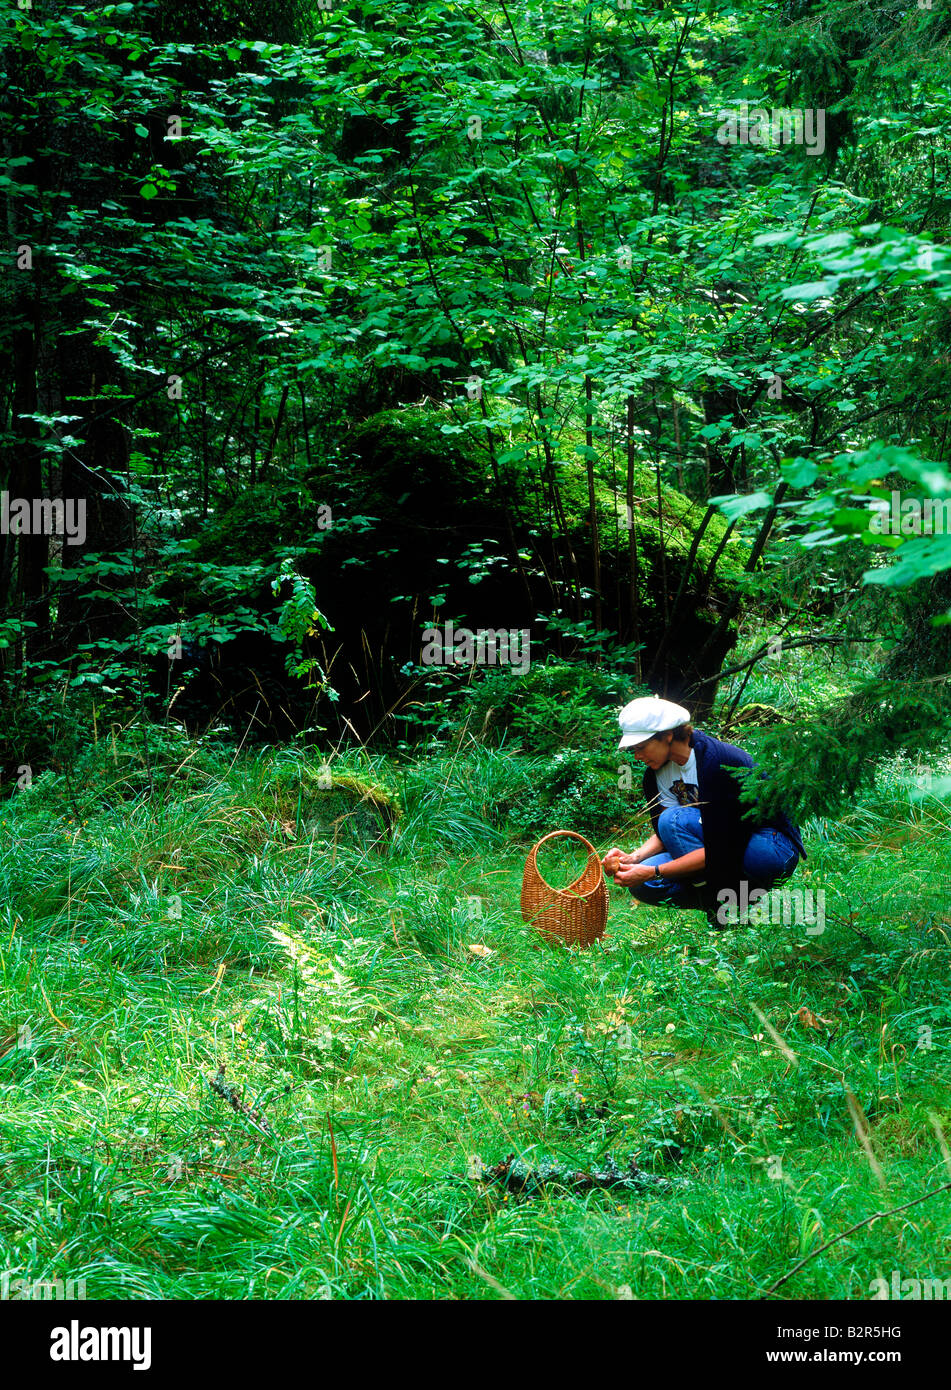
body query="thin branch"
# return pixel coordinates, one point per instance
(812, 641)
(876, 1216)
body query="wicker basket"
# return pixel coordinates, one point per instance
(575, 915)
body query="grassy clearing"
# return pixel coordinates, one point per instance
(228, 912)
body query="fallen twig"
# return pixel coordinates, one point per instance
(228, 1093)
(515, 1177)
(876, 1216)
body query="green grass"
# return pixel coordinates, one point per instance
(230, 917)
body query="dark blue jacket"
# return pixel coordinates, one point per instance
(725, 832)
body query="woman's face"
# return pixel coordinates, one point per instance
(655, 752)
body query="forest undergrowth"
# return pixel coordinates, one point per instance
(268, 1034)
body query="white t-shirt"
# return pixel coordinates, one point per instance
(676, 785)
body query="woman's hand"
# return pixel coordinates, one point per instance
(617, 859)
(629, 874)
(612, 861)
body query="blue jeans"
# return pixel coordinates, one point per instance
(769, 858)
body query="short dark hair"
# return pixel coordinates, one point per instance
(682, 732)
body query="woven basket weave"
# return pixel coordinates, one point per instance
(575, 915)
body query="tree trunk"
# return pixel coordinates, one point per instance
(94, 472)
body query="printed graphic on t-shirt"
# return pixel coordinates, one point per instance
(687, 793)
(677, 786)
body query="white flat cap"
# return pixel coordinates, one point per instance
(643, 718)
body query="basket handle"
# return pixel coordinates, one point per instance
(571, 834)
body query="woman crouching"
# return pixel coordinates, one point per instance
(704, 852)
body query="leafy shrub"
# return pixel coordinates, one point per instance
(816, 768)
(143, 758)
(578, 790)
(49, 726)
(554, 705)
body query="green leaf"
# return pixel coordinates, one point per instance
(733, 506)
(835, 241)
(800, 472)
(775, 238)
(813, 289)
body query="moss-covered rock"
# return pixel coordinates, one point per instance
(326, 805)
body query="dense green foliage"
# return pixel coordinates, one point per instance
(345, 321)
(527, 225)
